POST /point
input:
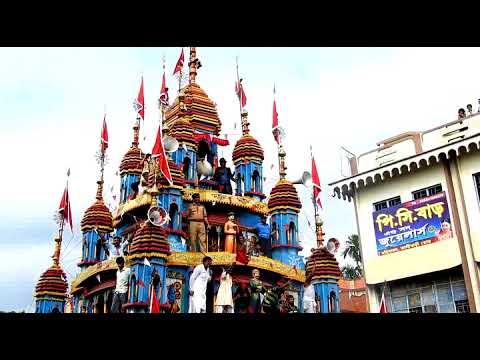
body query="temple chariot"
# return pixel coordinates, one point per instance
(152, 227)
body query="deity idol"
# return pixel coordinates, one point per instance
(230, 229)
(256, 291)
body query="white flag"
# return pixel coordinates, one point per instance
(98, 278)
(146, 262)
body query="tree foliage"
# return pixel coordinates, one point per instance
(352, 250)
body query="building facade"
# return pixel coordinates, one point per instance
(416, 199)
(353, 296)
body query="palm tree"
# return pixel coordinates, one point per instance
(352, 249)
(350, 272)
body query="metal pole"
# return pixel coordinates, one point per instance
(239, 93)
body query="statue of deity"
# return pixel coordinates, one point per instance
(256, 291)
(230, 229)
(146, 170)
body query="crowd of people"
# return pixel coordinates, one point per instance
(252, 297)
(462, 114)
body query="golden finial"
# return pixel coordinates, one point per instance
(154, 192)
(245, 123)
(319, 231)
(136, 133)
(281, 160)
(56, 254)
(194, 64)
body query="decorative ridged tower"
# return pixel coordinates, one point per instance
(130, 167)
(97, 222)
(248, 158)
(148, 257)
(193, 120)
(96, 227)
(325, 272)
(284, 206)
(200, 111)
(185, 157)
(51, 289)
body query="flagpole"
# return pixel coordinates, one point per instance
(60, 232)
(102, 146)
(180, 74)
(162, 105)
(56, 255)
(315, 207)
(239, 92)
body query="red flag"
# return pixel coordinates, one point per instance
(316, 183)
(241, 93)
(179, 65)
(164, 92)
(275, 129)
(383, 305)
(159, 151)
(139, 103)
(104, 137)
(65, 208)
(154, 304)
(141, 283)
(275, 116)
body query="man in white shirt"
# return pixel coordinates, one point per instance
(198, 286)
(115, 249)
(121, 288)
(309, 298)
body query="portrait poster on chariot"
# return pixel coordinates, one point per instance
(174, 292)
(412, 224)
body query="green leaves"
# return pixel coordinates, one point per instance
(352, 250)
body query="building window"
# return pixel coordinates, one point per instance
(442, 297)
(275, 232)
(173, 213)
(256, 181)
(291, 234)
(186, 167)
(476, 179)
(387, 203)
(332, 302)
(460, 297)
(429, 191)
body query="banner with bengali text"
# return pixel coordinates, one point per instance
(412, 224)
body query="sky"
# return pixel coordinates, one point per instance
(52, 102)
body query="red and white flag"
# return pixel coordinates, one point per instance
(240, 93)
(65, 209)
(164, 92)
(275, 119)
(104, 136)
(159, 151)
(179, 65)
(383, 305)
(274, 115)
(139, 103)
(316, 183)
(154, 304)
